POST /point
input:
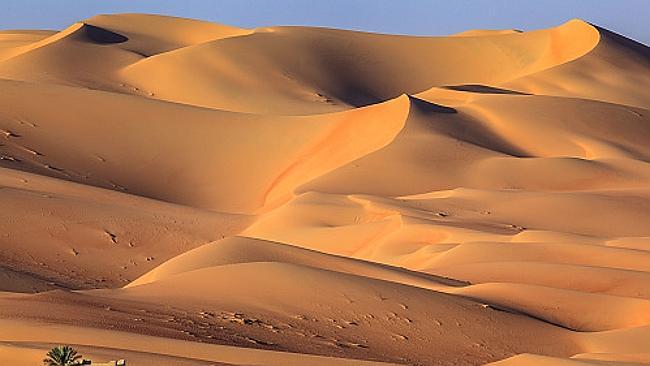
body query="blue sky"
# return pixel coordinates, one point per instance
(419, 17)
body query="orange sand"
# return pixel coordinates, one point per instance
(180, 192)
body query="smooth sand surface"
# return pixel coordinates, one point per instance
(179, 192)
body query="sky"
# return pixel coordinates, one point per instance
(415, 17)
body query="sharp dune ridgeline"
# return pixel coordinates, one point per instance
(178, 192)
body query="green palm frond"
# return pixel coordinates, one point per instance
(62, 356)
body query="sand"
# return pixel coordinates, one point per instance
(181, 192)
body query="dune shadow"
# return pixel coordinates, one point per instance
(103, 36)
(466, 129)
(640, 49)
(426, 106)
(483, 89)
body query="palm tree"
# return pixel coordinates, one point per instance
(62, 356)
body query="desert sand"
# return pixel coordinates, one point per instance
(178, 192)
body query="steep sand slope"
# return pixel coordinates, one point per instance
(187, 193)
(143, 146)
(616, 71)
(11, 41)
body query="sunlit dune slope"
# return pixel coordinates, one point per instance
(11, 41)
(145, 147)
(236, 250)
(343, 69)
(152, 34)
(616, 70)
(180, 192)
(354, 316)
(57, 234)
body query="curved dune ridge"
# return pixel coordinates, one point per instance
(182, 192)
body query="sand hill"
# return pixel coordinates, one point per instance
(178, 192)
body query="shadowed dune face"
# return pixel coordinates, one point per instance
(483, 89)
(103, 36)
(187, 193)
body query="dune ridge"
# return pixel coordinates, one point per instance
(189, 193)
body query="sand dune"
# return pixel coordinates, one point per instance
(340, 72)
(181, 192)
(236, 250)
(121, 150)
(58, 234)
